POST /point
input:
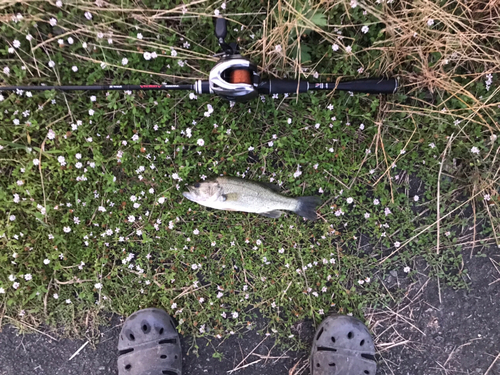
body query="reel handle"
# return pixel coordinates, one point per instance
(220, 29)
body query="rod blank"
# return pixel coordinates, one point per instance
(99, 87)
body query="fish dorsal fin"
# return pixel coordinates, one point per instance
(269, 185)
(229, 197)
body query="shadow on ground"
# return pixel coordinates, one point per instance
(421, 336)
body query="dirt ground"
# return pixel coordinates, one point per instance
(436, 330)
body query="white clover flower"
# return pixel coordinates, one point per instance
(335, 47)
(430, 22)
(124, 61)
(91, 112)
(66, 229)
(397, 244)
(406, 269)
(70, 40)
(367, 215)
(88, 15)
(98, 286)
(348, 49)
(349, 200)
(365, 29)
(376, 202)
(474, 150)
(200, 142)
(53, 22)
(147, 56)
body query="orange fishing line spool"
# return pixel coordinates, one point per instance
(240, 76)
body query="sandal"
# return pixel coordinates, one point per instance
(343, 345)
(149, 345)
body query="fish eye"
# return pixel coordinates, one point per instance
(197, 185)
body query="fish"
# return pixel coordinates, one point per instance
(236, 194)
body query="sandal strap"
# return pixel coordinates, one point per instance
(149, 345)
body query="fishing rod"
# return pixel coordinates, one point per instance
(235, 78)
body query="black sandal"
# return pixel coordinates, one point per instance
(343, 345)
(149, 345)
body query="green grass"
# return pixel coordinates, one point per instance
(203, 266)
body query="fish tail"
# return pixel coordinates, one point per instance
(306, 207)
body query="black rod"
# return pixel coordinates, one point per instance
(99, 87)
(368, 85)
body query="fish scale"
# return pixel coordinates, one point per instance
(254, 196)
(235, 194)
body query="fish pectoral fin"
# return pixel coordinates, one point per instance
(272, 214)
(229, 197)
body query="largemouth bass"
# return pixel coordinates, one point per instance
(235, 194)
